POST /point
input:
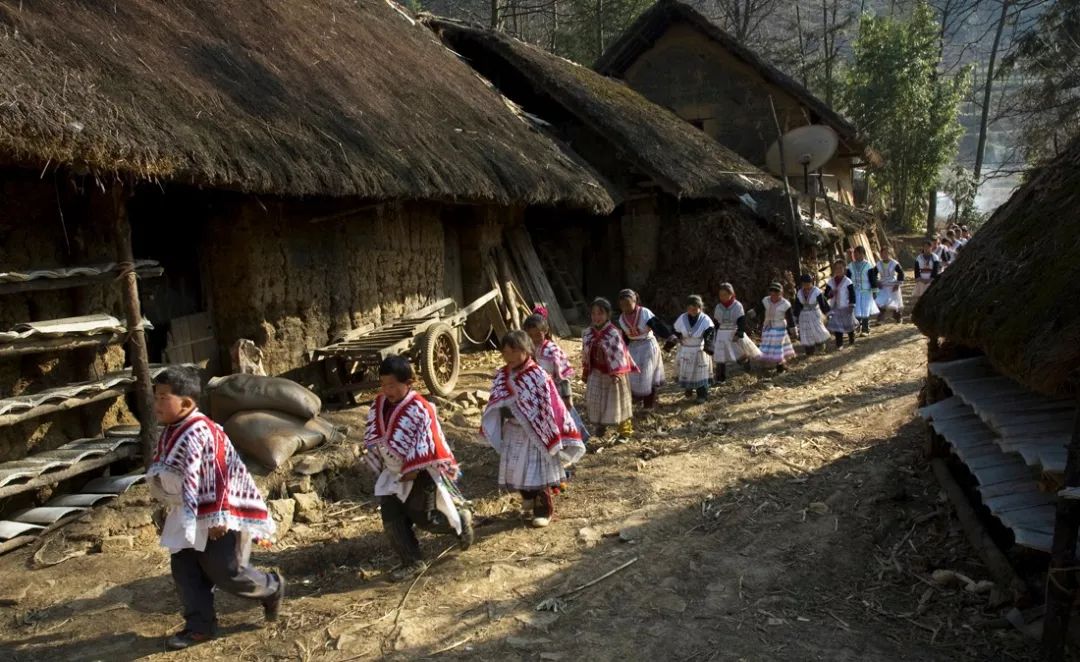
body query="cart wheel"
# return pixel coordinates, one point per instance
(440, 359)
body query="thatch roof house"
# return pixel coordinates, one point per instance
(298, 169)
(685, 198)
(681, 60)
(1007, 293)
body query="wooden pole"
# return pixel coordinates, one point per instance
(1061, 578)
(140, 363)
(787, 191)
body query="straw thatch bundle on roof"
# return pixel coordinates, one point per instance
(335, 97)
(1010, 293)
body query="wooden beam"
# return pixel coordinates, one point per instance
(63, 405)
(1061, 581)
(63, 344)
(140, 362)
(53, 477)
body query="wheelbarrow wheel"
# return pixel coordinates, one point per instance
(440, 359)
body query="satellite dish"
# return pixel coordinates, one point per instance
(806, 149)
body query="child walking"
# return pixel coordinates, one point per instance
(606, 369)
(809, 305)
(417, 474)
(555, 363)
(840, 292)
(776, 324)
(927, 269)
(730, 342)
(694, 332)
(889, 276)
(528, 426)
(861, 273)
(215, 511)
(638, 323)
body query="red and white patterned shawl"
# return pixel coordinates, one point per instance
(532, 397)
(551, 353)
(411, 433)
(636, 324)
(217, 488)
(616, 357)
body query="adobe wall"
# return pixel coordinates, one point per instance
(704, 84)
(292, 285)
(37, 213)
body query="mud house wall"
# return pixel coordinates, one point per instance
(54, 221)
(292, 285)
(640, 226)
(705, 85)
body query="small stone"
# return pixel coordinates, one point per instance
(283, 511)
(308, 507)
(589, 536)
(554, 657)
(669, 602)
(111, 544)
(541, 620)
(309, 465)
(300, 485)
(526, 643)
(776, 621)
(482, 397)
(460, 420)
(818, 508)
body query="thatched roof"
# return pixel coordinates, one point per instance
(654, 23)
(1010, 291)
(334, 97)
(683, 160)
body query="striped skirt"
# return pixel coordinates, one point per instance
(776, 345)
(524, 465)
(608, 401)
(695, 368)
(811, 331)
(841, 320)
(646, 354)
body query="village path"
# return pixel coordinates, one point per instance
(790, 518)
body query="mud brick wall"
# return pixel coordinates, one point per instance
(292, 285)
(34, 235)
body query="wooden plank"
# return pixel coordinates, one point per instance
(64, 405)
(124, 452)
(521, 244)
(1026, 484)
(43, 345)
(1018, 501)
(436, 307)
(42, 284)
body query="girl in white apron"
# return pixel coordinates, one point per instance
(889, 276)
(694, 331)
(809, 305)
(638, 323)
(775, 342)
(840, 292)
(862, 275)
(731, 342)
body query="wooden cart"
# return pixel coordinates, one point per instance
(429, 337)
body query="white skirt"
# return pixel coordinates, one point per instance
(864, 304)
(646, 354)
(695, 368)
(920, 287)
(890, 298)
(523, 465)
(811, 331)
(726, 348)
(776, 345)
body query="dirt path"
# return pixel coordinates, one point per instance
(788, 519)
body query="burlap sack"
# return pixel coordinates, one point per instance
(271, 437)
(230, 394)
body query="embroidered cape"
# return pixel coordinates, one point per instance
(217, 488)
(531, 396)
(412, 434)
(698, 330)
(551, 353)
(613, 354)
(636, 324)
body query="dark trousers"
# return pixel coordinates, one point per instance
(542, 500)
(419, 511)
(197, 573)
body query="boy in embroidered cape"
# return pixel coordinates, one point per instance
(416, 472)
(214, 511)
(528, 426)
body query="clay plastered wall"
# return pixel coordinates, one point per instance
(292, 285)
(701, 82)
(32, 235)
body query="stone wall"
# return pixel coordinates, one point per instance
(292, 285)
(50, 222)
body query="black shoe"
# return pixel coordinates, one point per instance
(688, 393)
(781, 368)
(186, 639)
(465, 539)
(272, 605)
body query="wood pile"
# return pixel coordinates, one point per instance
(516, 270)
